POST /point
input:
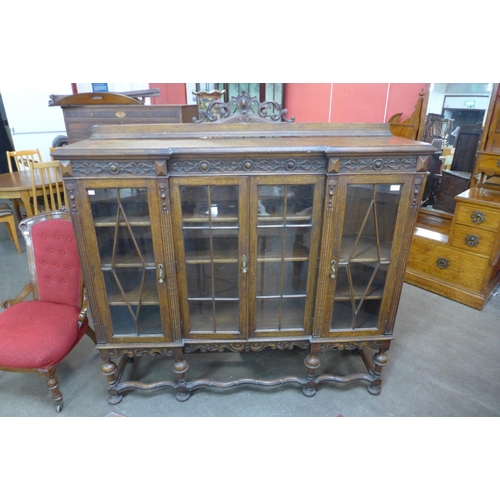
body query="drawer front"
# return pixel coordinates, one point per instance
(488, 164)
(472, 238)
(447, 263)
(477, 216)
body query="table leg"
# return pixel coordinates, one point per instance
(25, 196)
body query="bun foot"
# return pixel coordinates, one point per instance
(183, 396)
(374, 389)
(308, 392)
(114, 400)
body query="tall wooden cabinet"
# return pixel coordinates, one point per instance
(243, 237)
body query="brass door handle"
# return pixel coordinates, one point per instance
(333, 263)
(161, 274)
(244, 267)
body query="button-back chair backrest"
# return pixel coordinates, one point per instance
(22, 160)
(49, 175)
(53, 257)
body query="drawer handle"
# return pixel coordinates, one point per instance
(478, 217)
(498, 163)
(472, 240)
(442, 263)
(244, 267)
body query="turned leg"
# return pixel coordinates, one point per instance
(180, 368)
(53, 384)
(110, 370)
(380, 359)
(312, 362)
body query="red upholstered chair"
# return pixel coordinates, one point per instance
(35, 335)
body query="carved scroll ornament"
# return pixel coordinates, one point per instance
(243, 112)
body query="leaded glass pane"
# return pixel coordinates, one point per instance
(123, 230)
(284, 225)
(210, 224)
(368, 231)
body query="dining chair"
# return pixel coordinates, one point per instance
(7, 216)
(36, 335)
(49, 176)
(22, 160)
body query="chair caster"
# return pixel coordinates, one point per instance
(59, 408)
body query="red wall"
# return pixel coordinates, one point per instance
(170, 93)
(351, 102)
(330, 102)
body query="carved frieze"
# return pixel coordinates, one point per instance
(349, 346)
(248, 165)
(246, 347)
(106, 168)
(377, 164)
(138, 352)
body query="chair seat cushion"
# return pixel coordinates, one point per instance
(5, 209)
(36, 334)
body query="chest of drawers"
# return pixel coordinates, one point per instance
(461, 261)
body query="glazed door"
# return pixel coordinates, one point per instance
(211, 242)
(124, 236)
(364, 220)
(285, 214)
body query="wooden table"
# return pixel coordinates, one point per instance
(17, 185)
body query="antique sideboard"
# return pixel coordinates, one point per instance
(243, 237)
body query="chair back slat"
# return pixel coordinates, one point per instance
(49, 177)
(22, 160)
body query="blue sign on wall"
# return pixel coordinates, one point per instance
(99, 87)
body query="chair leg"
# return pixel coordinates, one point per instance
(17, 210)
(11, 229)
(53, 384)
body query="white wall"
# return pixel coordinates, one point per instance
(116, 87)
(33, 124)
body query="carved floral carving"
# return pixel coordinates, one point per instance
(389, 163)
(138, 352)
(243, 110)
(263, 165)
(349, 346)
(85, 169)
(246, 347)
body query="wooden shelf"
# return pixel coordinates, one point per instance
(366, 250)
(200, 220)
(345, 298)
(289, 219)
(111, 221)
(127, 260)
(123, 324)
(149, 294)
(268, 320)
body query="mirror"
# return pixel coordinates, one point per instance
(454, 124)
